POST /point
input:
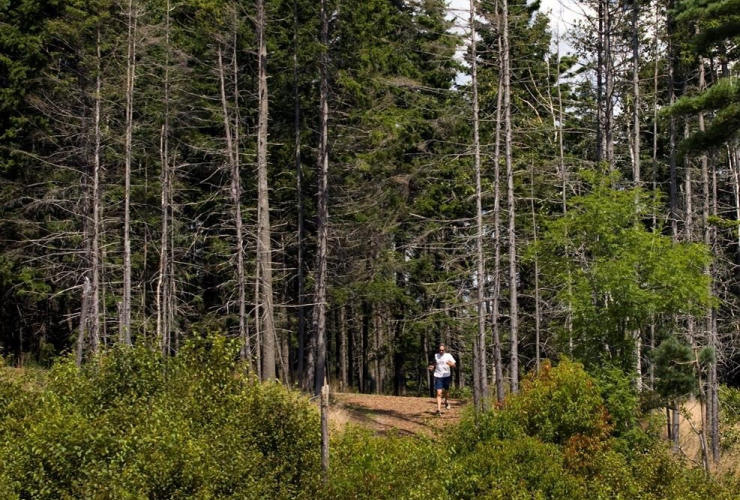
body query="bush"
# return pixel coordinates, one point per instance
(365, 466)
(559, 405)
(729, 398)
(132, 425)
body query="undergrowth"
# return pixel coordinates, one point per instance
(132, 425)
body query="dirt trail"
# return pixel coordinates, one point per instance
(383, 414)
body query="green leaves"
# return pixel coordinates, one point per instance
(134, 425)
(615, 274)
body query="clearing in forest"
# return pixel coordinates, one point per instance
(383, 414)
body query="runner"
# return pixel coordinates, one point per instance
(442, 367)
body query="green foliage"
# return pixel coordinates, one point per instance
(567, 435)
(729, 399)
(371, 467)
(133, 425)
(615, 274)
(555, 406)
(674, 370)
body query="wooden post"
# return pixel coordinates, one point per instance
(325, 429)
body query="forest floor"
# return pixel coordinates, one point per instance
(384, 414)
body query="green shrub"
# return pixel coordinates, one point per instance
(729, 399)
(521, 468)
(131, 425)
(365, 466)
(559, 405)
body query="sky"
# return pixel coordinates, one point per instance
(563, 14)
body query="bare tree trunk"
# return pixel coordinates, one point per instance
(636, 92)
(299, 201)
(377, 346)
(498, 369)
(600, 138)
(564, 193)
(96, 197)
(125, 333)
(676, 426)
(608, 87)
(232, 153)
(481, 388)
(343, 357)
(709, 198)
(236, 193)
(673, 175)
(655, 188)
(324, 391)
(163, 282)
(263, 224)
(655, 127)
(537, 317)
(688, 191)
(513, 287)
(83, 322)
(672, 131)
(319, 310)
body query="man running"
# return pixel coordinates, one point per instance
(442, 367)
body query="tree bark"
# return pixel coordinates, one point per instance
(83, 322)
(672, 129)
(319, 309)
(498, 369)
(600, 145)
(263, 224)
(636, 93)
(608, 87)
(96, 201)
(125, 333)
(537, 317)
(232, 154)
(511, 201)
(299, 200)
(481, 387)
(163, 281)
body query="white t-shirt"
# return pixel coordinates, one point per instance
(441, 368)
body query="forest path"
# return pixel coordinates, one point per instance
(384, 414)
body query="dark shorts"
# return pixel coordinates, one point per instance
(442, 383)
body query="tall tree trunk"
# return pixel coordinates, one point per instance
(672, 127)
(377, 346)
(709, 208)
(319, 309)
(80, 348)
(636, 93)
(263, 223)
(564, 193)
(236, 187)
(481, 388)
(163, 281)
(343, 356)
(608, 87)
(95, 270)
(125, 333)
(299, 200)
(232, 154)
(537, 317)
(600, 145)
(688, 191)
(672, 170)
(511, 201)
(498, 368)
